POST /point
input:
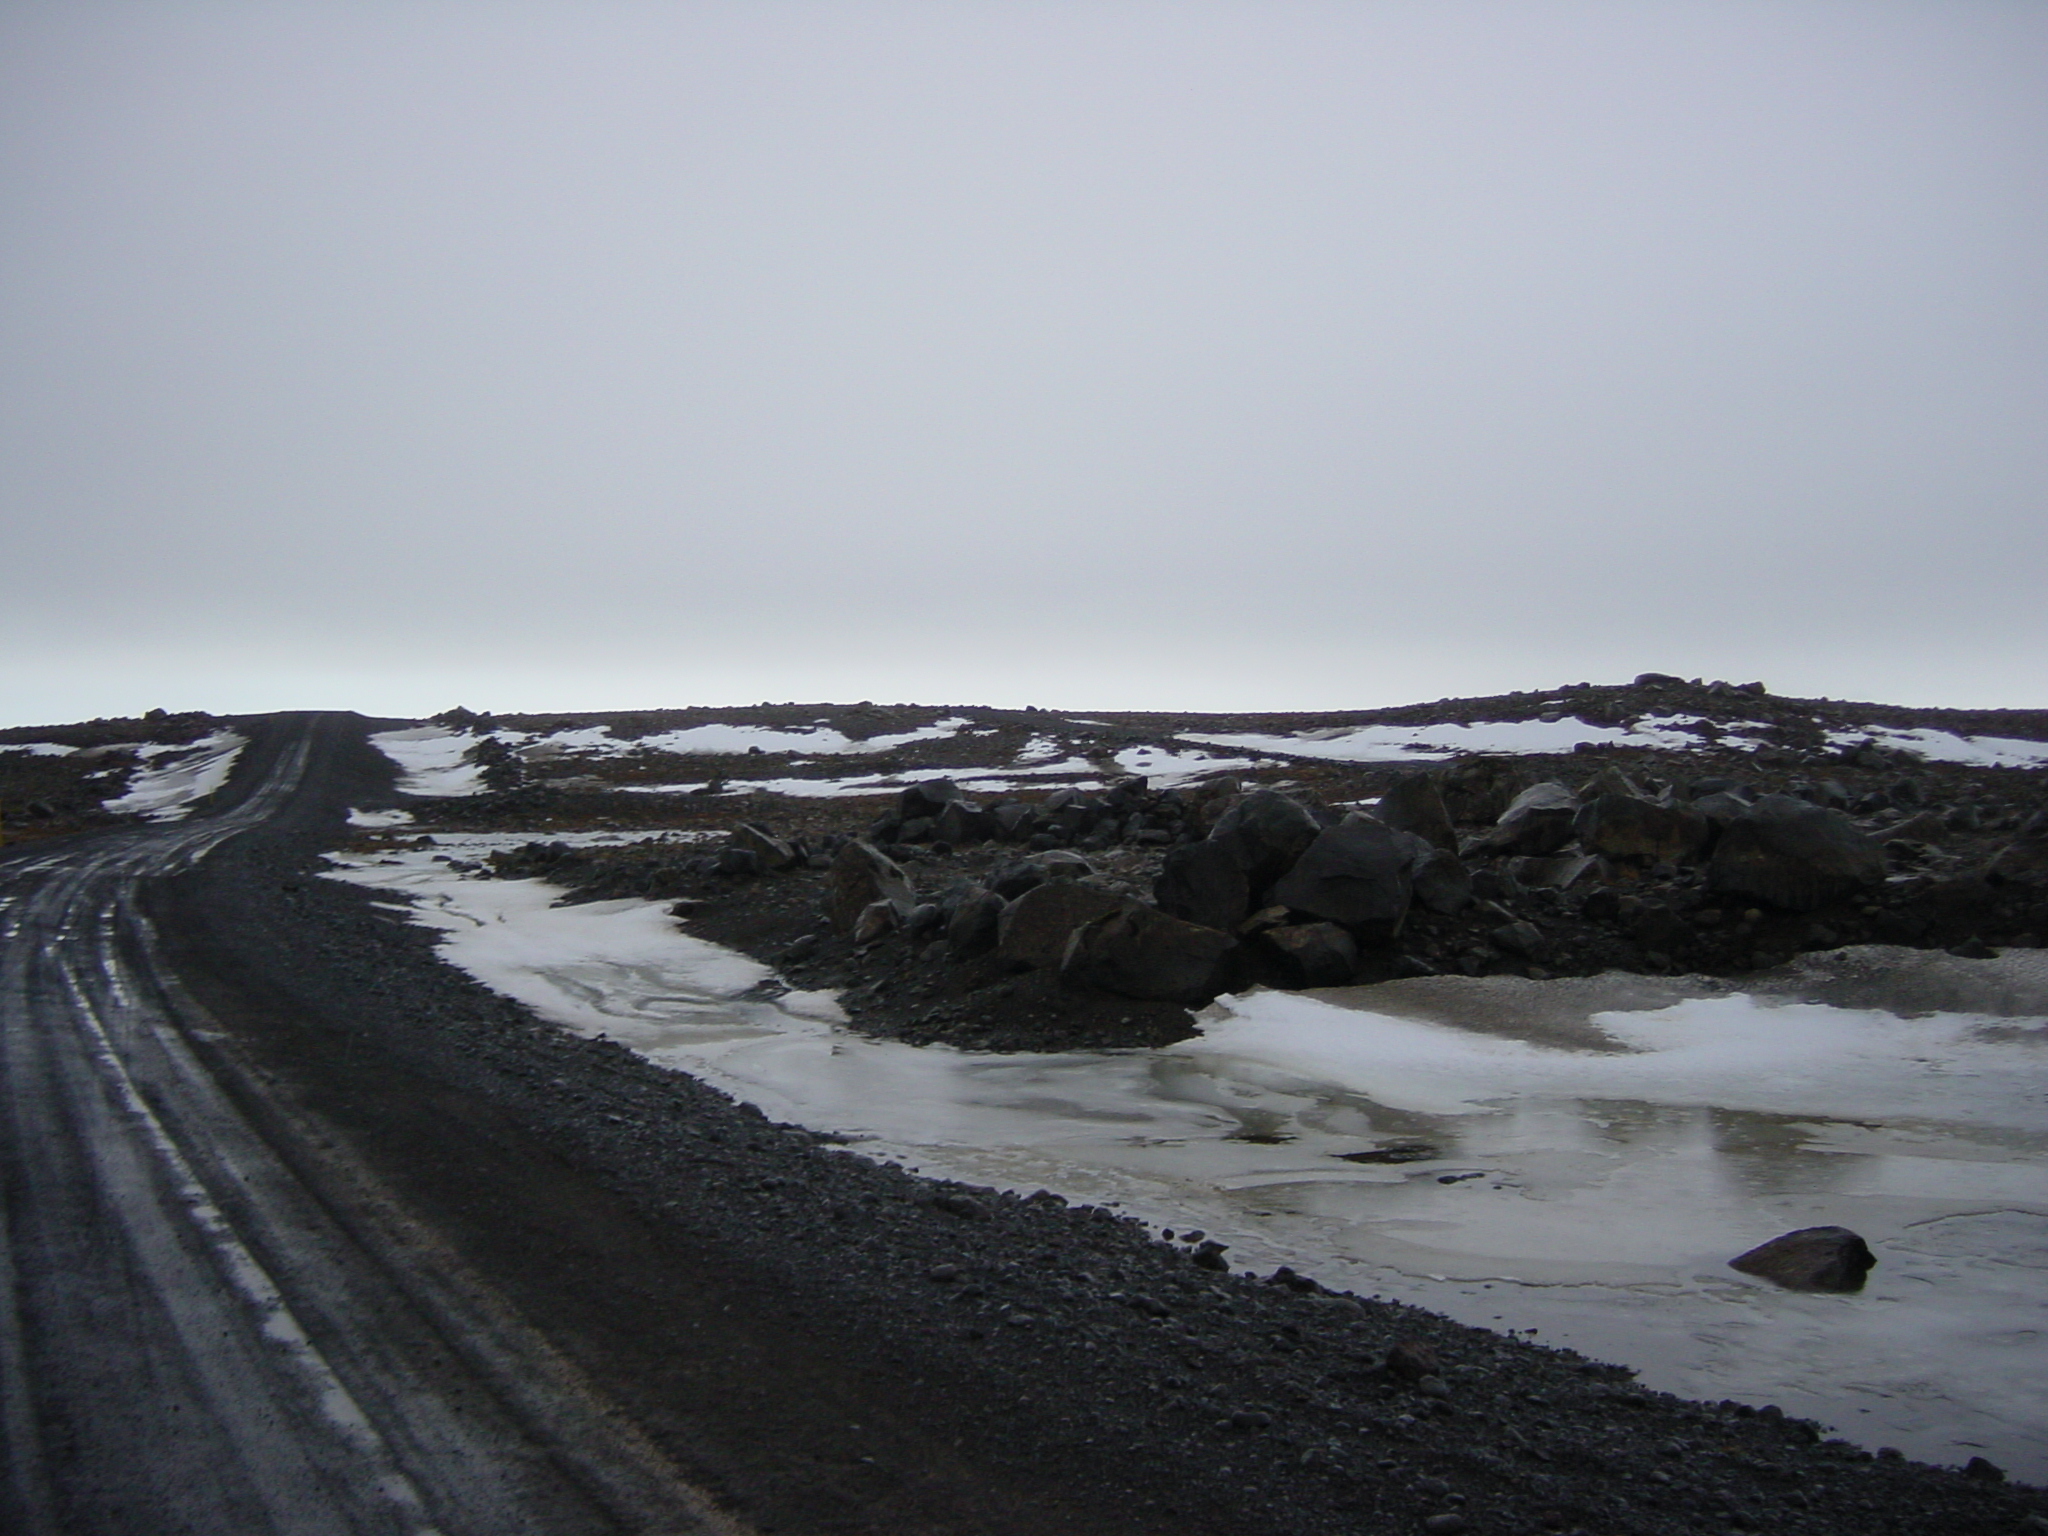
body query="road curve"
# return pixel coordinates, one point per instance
(193, 1338)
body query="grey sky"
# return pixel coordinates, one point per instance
(1147, 355)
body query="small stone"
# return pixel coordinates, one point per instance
(1450, 1523)
(1411, 1361)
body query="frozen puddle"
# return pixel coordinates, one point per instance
(1580, 1158)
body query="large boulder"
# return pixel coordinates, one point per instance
(1138, 951)
(1720, 807)
(2025, 859)
(926, 799)
(1033, 930)
(773, 852)
(1356, 873)
(1441, 882)
(1631, 830)
(972, 929)
(1313, 954)
(1793, 855)
(1538, 820)
(1551, 871)
(861, 875)
(1479, 789)
(1416, 805)
(963, 823)
(1203, 883)
(1013, 877)
(1811, 1259)
(1265, 833)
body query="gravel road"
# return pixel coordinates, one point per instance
(308, 1232)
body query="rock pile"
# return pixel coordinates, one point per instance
(1461, 868)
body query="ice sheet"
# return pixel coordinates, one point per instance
(1597, 1194)
(1947, 747)
(173, 779)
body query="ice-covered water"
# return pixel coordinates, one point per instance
(1585, 1156)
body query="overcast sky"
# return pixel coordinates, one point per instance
(1181, 355)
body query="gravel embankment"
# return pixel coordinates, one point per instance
(836, 1346)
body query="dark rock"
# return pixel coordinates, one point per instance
(1015, 821)
(1550, 872)
(1063, 864)
(1721, 807)
(1313, 954)
(1203, 883)
(972, 930)
(1794, 855)
(1397, 1152)
(966, 1207)
(1411, 1360)
(1927, 827)
(1416, 805)
(877, 919)
(861, 875)
(1636, 831)
(1440, 882)
(1479, 789)
(1811, 1259)
(1984, 1471)
(1265, 833)
(738, 862)
(963, 824)
(1033, 930)
(2024, 860)
(1138, 951)
(1014, 877)
(1699, 789)
(1538, 820)
(1355, 873)
(1521, 938)
(926, 799)
(1610, 780)
(772, 851)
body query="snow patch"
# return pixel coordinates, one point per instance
(1947, 747)
(431, 760)
(1434, 743)
(1164, 767)
(175, 778)
(362, 818)
(719, 739)
(38, 748)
